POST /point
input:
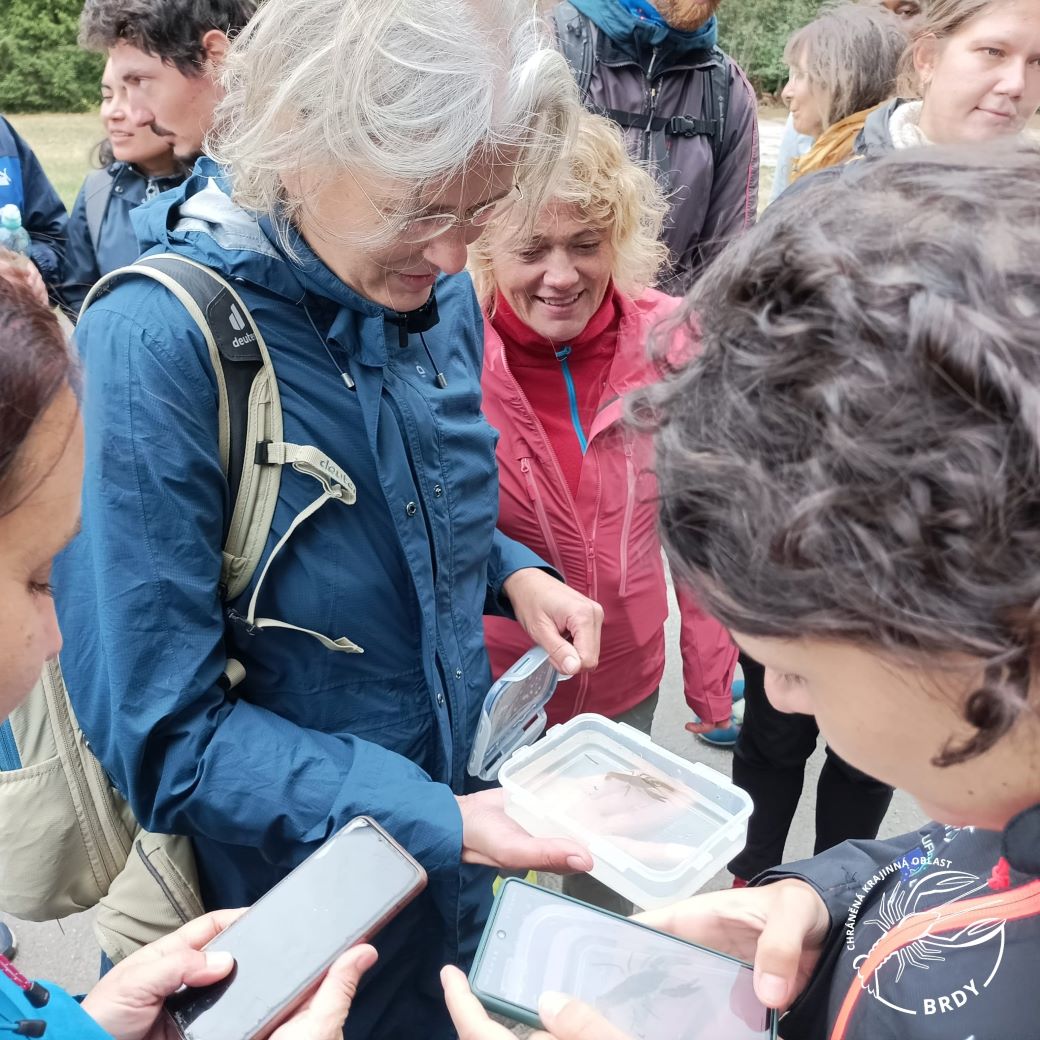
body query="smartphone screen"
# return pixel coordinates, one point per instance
(353, 885)
(649, 985)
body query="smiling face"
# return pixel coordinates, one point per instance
(555, 277)
(131, 143)
(43, 519)
(983, 82)
(348, 222)
(804, 101)
(890, 719)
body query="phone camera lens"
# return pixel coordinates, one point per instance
(500, 934)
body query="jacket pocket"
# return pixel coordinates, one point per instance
(156, 893)
(50, 869)
(548, 537)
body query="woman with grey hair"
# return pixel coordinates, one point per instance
(361, 146)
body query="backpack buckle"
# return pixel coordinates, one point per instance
(242, 621)
(685, 126)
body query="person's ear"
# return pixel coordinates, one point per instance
(215, 47)
(926, 56)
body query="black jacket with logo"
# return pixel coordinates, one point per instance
(935, 935)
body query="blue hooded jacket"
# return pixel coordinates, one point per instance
(117, 246)
(259, 778)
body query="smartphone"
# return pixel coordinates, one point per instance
(283, 945)
(650, 985)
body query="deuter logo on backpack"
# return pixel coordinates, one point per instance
(238, 323)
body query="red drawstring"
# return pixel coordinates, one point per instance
(1000, 879)
(36, 994)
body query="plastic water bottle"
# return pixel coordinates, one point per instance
(13, 236)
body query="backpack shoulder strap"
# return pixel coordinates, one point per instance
(252, 449)
(716, 102)
(97, 190)
(576, 38)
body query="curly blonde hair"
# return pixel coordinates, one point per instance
(612, 192)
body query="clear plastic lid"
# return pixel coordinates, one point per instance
(513, 715)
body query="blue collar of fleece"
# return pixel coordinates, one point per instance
(625, 22)
(646, 11)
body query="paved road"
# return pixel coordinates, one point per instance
(67, 954)
(771, 132)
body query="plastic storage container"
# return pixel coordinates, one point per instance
(658, 827)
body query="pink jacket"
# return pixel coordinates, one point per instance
(604, 542)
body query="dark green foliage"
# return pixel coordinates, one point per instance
(754, 32)
(41, 68)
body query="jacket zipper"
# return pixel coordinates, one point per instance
(654, 88)
(572, 397)
(626, 524)
(532, 486)
(160, 881)
(77, 777)
(537, 423)
(543, 517)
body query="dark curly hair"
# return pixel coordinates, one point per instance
(855, 455)
(169, 29)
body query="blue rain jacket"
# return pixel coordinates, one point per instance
(23, 182)
(117, 244)
(261, 777)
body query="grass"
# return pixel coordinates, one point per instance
(63, 144)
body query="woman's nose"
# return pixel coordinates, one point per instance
(448, 251)
(786, 94)
(1013, 79)
(50, 633)
(560, 273)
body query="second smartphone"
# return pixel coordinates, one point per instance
(283, 945)
(650, 985)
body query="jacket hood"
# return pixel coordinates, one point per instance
(635, 35)
(200, 220)
(875, 138)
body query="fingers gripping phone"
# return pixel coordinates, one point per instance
(649, 985)
(283, 945)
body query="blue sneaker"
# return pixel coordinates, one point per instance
(737, 689)
(727, 738)
(8, 944)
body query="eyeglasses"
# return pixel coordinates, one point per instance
(425, 229)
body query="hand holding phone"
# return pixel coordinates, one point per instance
(564, 1017)
(342, 894)
(648, 985)
(779, 927)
